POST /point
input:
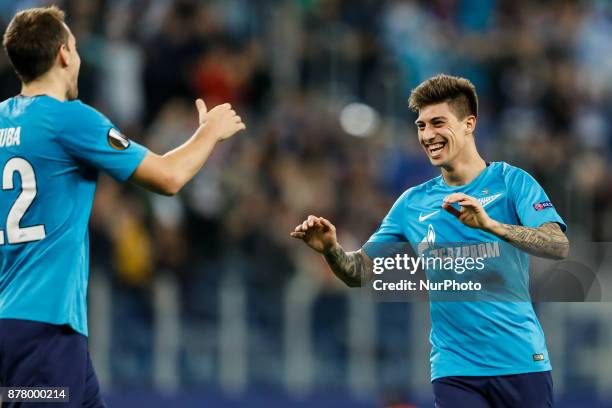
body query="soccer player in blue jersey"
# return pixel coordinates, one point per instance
(52, 147)
(484, 354)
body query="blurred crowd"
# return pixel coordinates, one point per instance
(543, 72)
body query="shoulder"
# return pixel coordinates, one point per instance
(80, 108)
(513, 174)
(5, 103)
(79, 115)
(518, 182)
(38, 104)
(508, 170)
(4, 106)
(419, 190)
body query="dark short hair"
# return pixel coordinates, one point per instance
(458, 92)
(32, 40)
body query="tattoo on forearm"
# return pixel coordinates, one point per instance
(546, 241)
(350, 267)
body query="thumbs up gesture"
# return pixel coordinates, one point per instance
(221, 121)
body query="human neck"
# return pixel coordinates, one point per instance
(463, 170)
(47, 85)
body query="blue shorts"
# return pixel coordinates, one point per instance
(530, 390)
(35, 354)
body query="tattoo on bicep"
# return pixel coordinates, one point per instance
(348, 266)
(547, 240)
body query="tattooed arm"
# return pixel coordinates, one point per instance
(547, 240)
(349, 267)
(320, 235)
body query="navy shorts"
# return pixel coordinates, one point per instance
(530, 390)
(34, 354)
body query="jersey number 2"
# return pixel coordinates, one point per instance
(15, 233)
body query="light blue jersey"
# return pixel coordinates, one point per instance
(50, 154)
(478, 338)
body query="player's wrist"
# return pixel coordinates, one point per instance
(208, 132)
(332, 248)
(493, 227)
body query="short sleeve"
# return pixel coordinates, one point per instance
(88, 136)
(532, 205)
(390, 229)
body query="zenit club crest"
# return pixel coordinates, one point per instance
(431, 237)
(116, 140)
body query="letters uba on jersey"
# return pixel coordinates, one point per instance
(10, 137)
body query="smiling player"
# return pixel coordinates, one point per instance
(484, 354)
(52, 147)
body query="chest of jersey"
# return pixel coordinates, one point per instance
(425, 219)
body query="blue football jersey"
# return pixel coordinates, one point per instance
(50, 154)
(478, 338)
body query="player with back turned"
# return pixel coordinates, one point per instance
(52, 147)
(484, 354)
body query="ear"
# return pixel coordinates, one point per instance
(470, 123)
(63, 56)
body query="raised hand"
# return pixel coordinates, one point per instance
(472, 213)
(222, 120)
(317, 232)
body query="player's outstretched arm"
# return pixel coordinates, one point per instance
(547, 240)
(320, 234)
(168, 173)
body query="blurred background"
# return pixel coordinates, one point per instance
(204, 300)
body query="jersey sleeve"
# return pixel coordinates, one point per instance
(531, 203)
(389, 231)
(89, 137)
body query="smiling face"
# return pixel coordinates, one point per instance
(443, 136)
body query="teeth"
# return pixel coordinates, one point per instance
(436, 146)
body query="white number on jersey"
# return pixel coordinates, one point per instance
(14, 232)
